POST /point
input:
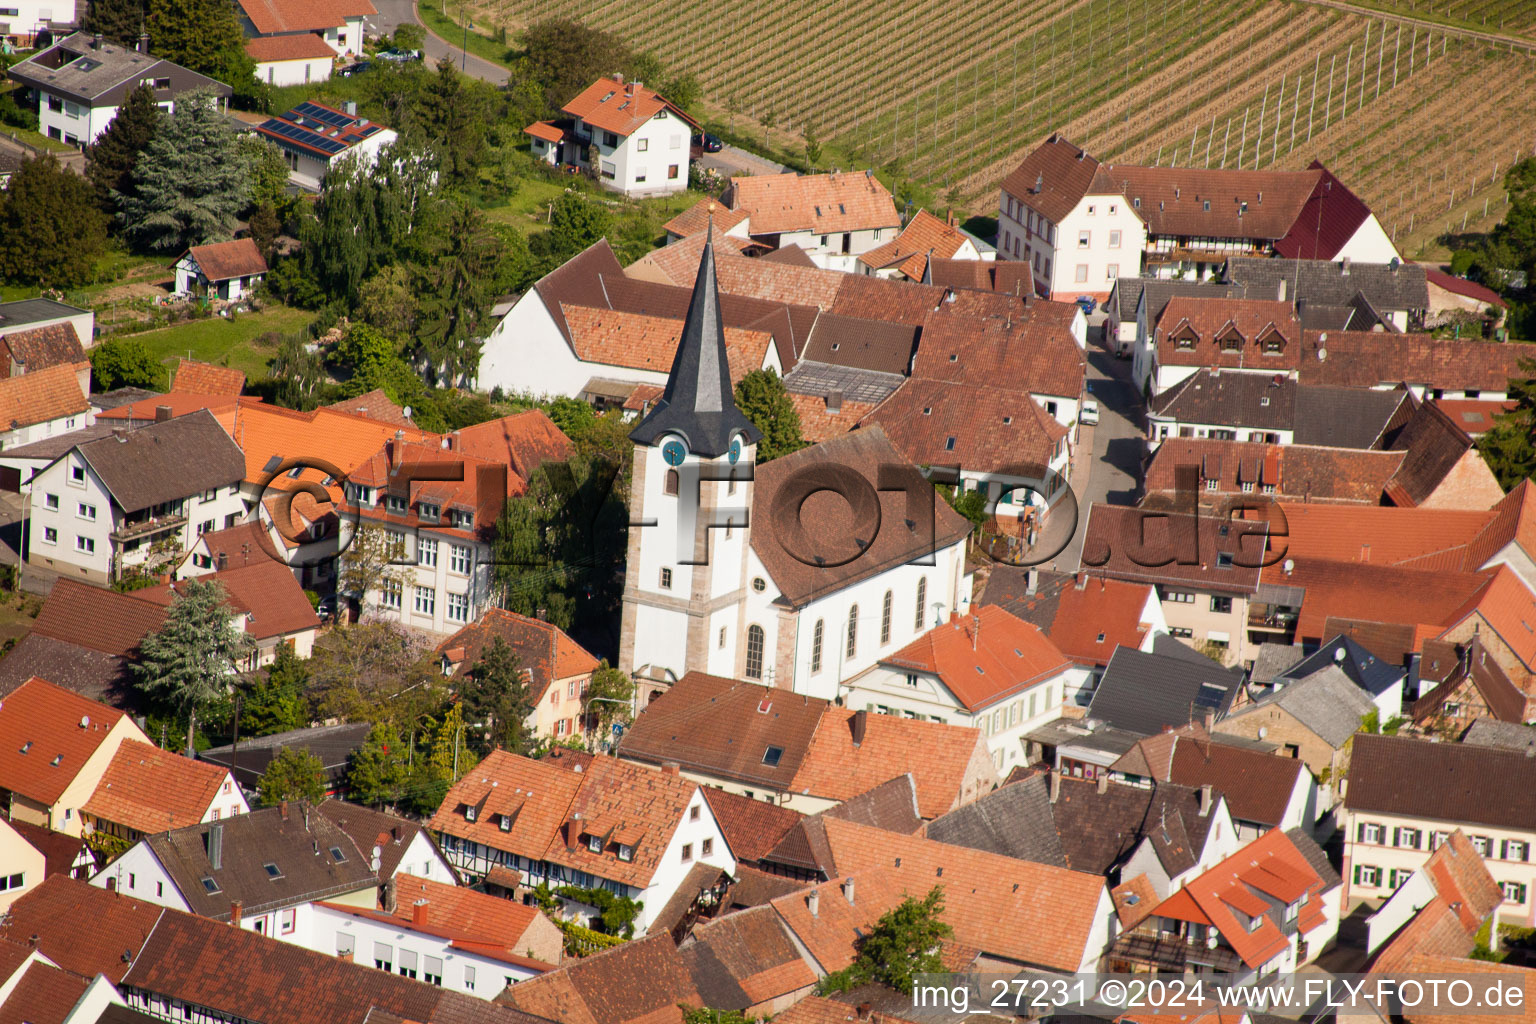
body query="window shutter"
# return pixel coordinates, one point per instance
(1357, 871)
(1359, 838)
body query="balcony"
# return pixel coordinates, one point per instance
(1264, 618)
(141, 529)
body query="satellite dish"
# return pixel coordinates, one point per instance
(1263, 731)
(378, 856)
(1322, 354)
(1338, 655)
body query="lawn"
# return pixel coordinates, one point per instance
(526, 209)
(224, 342)
(37, 140)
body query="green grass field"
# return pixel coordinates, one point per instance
(224, 342)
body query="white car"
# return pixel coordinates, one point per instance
(1090, 414)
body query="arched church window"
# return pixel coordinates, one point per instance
(755, 643)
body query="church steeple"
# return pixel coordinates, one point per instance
(698, 402)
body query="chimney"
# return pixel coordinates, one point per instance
(1280, 291)
(1082, 581)
(1032, 581)
(1103, 783)
(859, 723)
(143, 42)
(848, 889)
(863, 1011)
(216, 846)
(1054, 778)
(453, 441)
(396, 450)
(834, 402)
(1209, 721)
(419, 914)
(96, 41)
(671, 768)
(223, 560)
(387, 896)
(813, 902)
(975, 632)
(349, 107)
(394, 833)
(234, 913)
(282, 809)
(1344, 267)
(1039, 183)
(1205, 799)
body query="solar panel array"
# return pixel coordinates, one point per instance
(321, 114)
(302, 136)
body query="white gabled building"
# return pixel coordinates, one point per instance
(724, 582)
(313, 138)
(835, 218)
(632, 139)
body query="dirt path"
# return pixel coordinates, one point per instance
(1528, 45)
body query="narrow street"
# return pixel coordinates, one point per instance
(393, 13)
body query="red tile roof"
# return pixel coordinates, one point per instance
(374, 405)
(152, 790)
(1369, 359)
(620, 108)
(818, 424)
(40, 396)
(1312, 473)
(983, 657)
(222, 406)
(300, 46)
(1474, 415)
(41, 724)
(701, 214)
(544, 649)
(1208, 203)
(1269, 865)
(752, 828)
(1461, 286)
(265, 591)
(1326, 221)
(1024, 348)
(44, 995)
(279, 16)
(1507, 605)
(197, 378)
(1340, 590)
(41, 347)
(81, 928)
(96, 618)
(1085, 623)
(524, 441)
(1060, 171)
(1213, 324)
(978, 428)
(544, 130)
(924, 236)
(615, 338)
(1422, 537)
(223, 261)
(818, 203)
(1513, 522)
(1257, 786)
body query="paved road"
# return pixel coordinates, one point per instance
(393, 13)
(1113, 474)
(738, 162)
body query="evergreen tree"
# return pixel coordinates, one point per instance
(277, 704)
(204, 36)
(454, 111)
(294, 774)
(51, 226)
(905, 942)
(188, 662)
(124, 363)
(1510, 447)
(267, 169)
(377, 771)
(762, 396)
(447, 759)
(496, 701)
(111, 161)
(453, 294)
(190, 183)
(118, 20)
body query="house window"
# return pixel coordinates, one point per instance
(1082, 239)
(693, 813)
(1112, 272)
(1368, 833)
(707, 848)
(345, 944)
(1221, 605)
(1181, 632)
(610, 139)
(85, 545)
(687, 852)
(458, 559)
(86, 512)
(1114, 239)
(671, 172)
(595, 844)
(922, 599)
(407, 963)
(50, 535)
(640, 177)
(609, 172)
(643, 145)
(1514, 892)
(818, 634)
(1483, 845)
(458, 608)
(720, 644)
(393, 505)
(425, 511)
(1186, 342)
(426, 552)
(626, 852)
(469, 977)
(287, 923)
(432, 970)
(666, 578)
(1081, 277)
(390, 594)
(206, 526)
(426, 601)
(383, 956)
(885, 620)
(1367, 875)
(755, 644)
(853, 632)
(1514, 849)
(51, 501)
(1090, 213)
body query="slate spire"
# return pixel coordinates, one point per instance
(698, 402)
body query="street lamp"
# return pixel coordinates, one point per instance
(464, 48)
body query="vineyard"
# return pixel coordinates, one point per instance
(1419, 121)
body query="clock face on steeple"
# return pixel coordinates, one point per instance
(735, 452)
(674, 452)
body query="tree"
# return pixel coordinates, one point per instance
(118, 20)
(971, 504)
(299, 374)
(204, 36)
(454, 110)
(616, 691)
(447, 760)
(191, 182)
(761, 395)
(812, 148)
(453, 295)
(496, 701)
(389, 303)
(564, 57)
(51, 226)
(1509, 448)
(277, 704)
(110, 162)
(267, 170)
(188, 662)
(265, 227)
(577, 222)
(376, 671)
(294, 774)
(124, 363)
(372, 561)
(904, 943)
(377, 771)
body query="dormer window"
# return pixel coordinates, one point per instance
(394, 506)
(427, 511)
(1254, 923)
(595, 844)
(470, 813)
(1274, 344)
(626, 852)
(1185, 342)
(506, 823)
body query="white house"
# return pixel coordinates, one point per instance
(42, 404)
(80, 81)
(987, 669)
(339, 24)
(295, 59)
(313, 137)
(924, 237)
(38, 313)
(634, 831)
(835, 218)
(134, 499)
(633, 139)
(24, 19)
(222, 270)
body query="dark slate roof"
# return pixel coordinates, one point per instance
(105, 400)
(1365, 669)
(1347, 417)
(891, 805)
(1253, 400)
(294, 838)
(698, 403)
(87, 71)
(1435, 444)
(1273, 659)
(101, 677)
(50, 448)
(1317, 858)
(1015, 821)
(1158, 292)
(1330, 283)
(1486, 732)
(1146, 693)
(332, 744)
(390, 833)
(1450, 782)
(1326, 702)
(18, 314)
(166, 461)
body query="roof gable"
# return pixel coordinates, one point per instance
(47, 734)
(151, 790)
(982, 657)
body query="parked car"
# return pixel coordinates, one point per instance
(1090, 414)
(359, 68)
(326, 608)
(1086, 303)
(708, 143)
(398, 55)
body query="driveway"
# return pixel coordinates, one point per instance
(1107, 465)
(732, 160)
(393, 13)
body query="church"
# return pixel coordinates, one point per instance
(798, 574)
